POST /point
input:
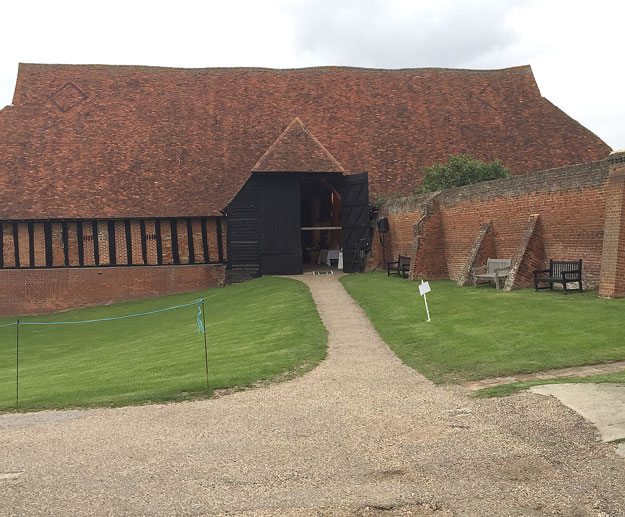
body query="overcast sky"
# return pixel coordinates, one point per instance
(575, 47)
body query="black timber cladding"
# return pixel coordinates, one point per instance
(243, 233)
(280, 226)
(354, 219)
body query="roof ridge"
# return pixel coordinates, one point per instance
(100, 66)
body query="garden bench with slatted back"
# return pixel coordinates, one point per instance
(559, 272)
(399, 266)
(494, 270)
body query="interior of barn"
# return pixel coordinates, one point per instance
(321, 222)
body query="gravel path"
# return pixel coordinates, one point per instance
(360, 435)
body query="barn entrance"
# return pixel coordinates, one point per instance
(320, 209)
(298, 207)
(279, 223)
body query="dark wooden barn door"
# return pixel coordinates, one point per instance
(244, 234)
(354, 218)
(280, 225)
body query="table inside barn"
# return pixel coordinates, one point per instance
(327, 256)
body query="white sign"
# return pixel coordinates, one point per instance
(424, 287)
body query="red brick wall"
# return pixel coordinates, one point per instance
(88, 243)
(36, 291)
(150, 242)
(103, 243)
(429, 260)
(569, 200)
(39, 245)
(72, 244)
(530, 255)
(8, 245)
(58, 257)
(167, 253)
(23, 244)
(135, 233)
(613, 257)
(211, 229)
(402, 214)
(198, 251)
(50, 282)
(183, 241)
(121, 251)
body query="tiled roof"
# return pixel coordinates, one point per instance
(90, 141)
(296, 150)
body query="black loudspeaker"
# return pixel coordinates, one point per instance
(382, 224)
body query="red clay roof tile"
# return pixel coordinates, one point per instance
(297, 150)
(94, 141)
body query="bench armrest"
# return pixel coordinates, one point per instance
(499, 269)
(575, 272)
(479, 267)
(539, 271)
(393, 262)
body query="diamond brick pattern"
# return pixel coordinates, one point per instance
(68, 97)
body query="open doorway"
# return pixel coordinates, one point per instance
(320, 205)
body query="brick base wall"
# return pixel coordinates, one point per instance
(37, 291)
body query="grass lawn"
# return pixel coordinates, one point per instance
(507, 389)
(256, 330)
(481, 332)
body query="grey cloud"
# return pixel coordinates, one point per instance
(378, 33)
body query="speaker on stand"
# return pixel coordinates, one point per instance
(382, 223)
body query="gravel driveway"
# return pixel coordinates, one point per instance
(360, 435)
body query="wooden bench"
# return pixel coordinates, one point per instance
(401, 265)
(559, 272)
(494, 270)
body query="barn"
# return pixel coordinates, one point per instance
(119, 182)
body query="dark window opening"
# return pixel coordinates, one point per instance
(174, 241)
(96, 243)
(220, 245)
(205, 241)
(144, 248)
(112, 248)
(190, 241)
(81, 244)
(16, 245)
(1, 246)
(31, 244)
(65, 238)
(159, 242)
(128, 241)
(47, 235)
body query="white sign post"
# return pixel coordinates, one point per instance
(424, 288)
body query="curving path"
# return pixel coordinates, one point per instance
(360, 435)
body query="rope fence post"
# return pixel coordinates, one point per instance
(17, 363)
(200, 321)
(205, 346)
